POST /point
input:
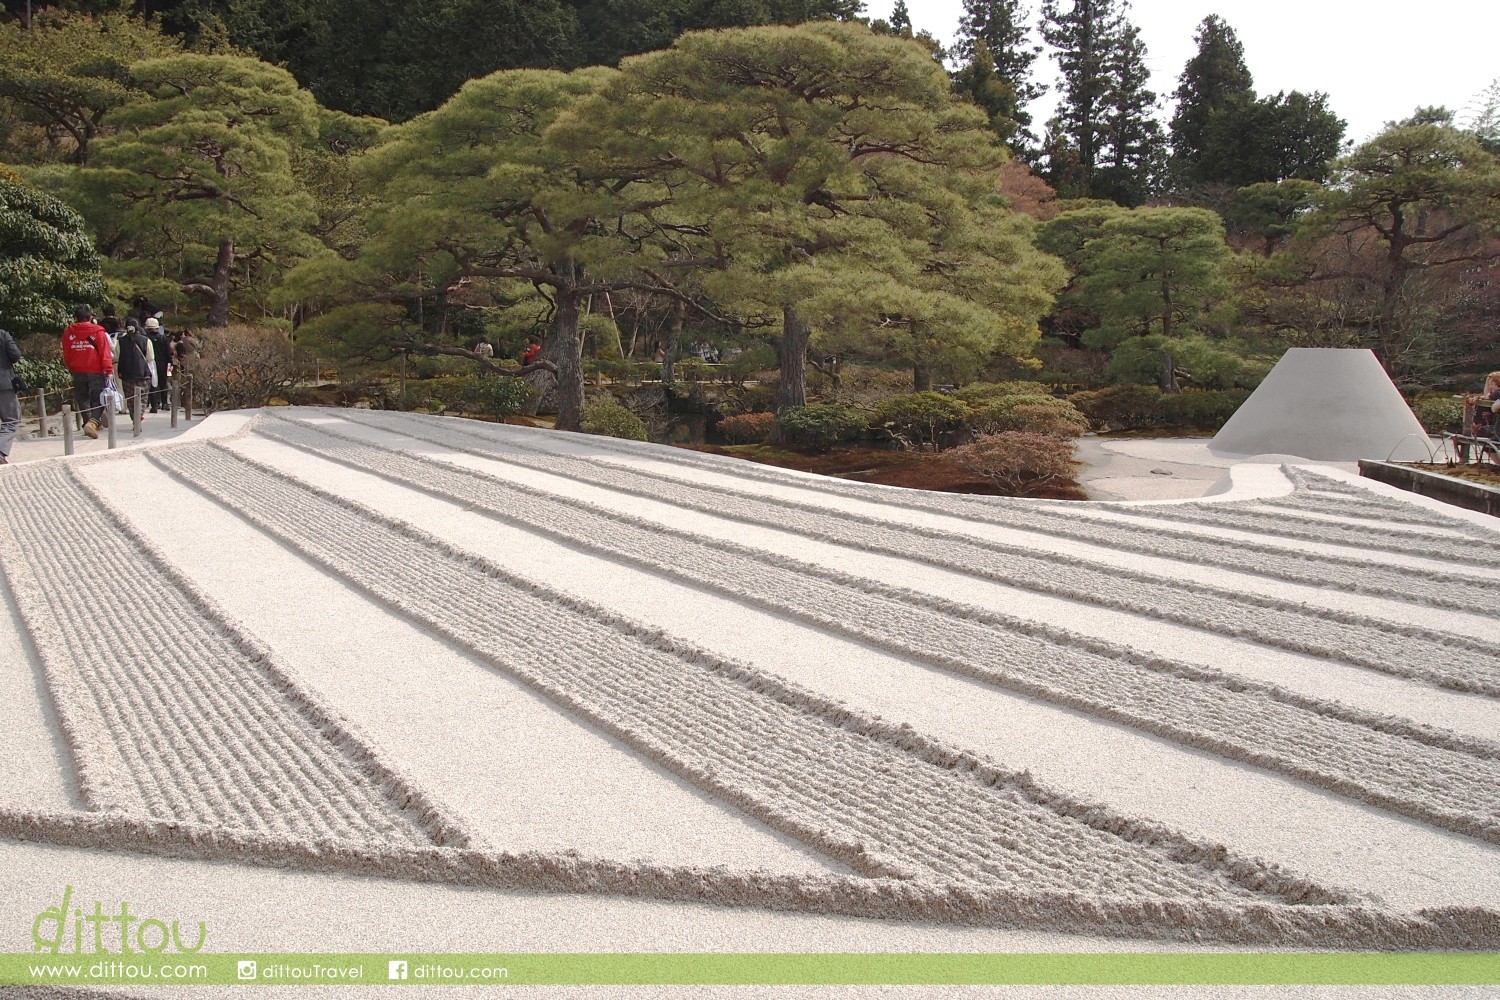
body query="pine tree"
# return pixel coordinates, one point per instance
(1214, 78)
(979, 82)
(901, 19)
(1001, 25)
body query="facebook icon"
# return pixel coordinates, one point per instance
(396, 970)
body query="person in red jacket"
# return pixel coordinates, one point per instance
(86, 352)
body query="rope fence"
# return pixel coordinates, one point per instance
(179, 398)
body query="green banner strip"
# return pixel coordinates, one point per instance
(1127, 969)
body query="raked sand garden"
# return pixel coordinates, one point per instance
(368, 681)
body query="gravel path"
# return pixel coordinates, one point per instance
(1440, 658)
(1437, 776)
(882, 798)
(174, 713)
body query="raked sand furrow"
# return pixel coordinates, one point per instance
(1036, 910)
(1368, 507)
(1366, 573)
(193, 727)
(811, 768)
(1435, 776)
(1435, 545)
(1449, 543)
(1444, 659)
(1289, 525)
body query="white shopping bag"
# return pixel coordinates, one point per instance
(110, 395)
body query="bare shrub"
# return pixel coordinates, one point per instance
(747, 428)
(1020, 461)
(236, 367)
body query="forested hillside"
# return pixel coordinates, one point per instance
(446, 179)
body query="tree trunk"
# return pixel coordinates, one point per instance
(564, 348)
(795, 334)
(674, 342)
(1169, 372)
(218, 310)
(921, 374)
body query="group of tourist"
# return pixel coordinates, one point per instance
(138, 351)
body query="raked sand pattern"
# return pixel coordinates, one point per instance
(205, 740)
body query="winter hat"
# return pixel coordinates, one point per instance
(152, 324)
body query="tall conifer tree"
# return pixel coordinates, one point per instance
(1002, 26)
(901, 18)
(1104, 121)
(1213, 79)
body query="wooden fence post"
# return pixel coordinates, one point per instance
(67, 419)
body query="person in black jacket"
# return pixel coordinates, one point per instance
(10, 405)
(161, 344)
(136, 363)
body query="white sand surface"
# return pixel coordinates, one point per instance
(1400, 862)
(525, 776)
(421, 711)
(35, 771)
(1374, 692)
(1032, 541)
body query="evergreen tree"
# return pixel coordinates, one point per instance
(979, 82)
(1426, 196)
(1001, 25)
(1213, 79)
(48, 266)
(1104, 120)
(901, 19)
(203, 166)
(1136, 146)
(828, 180)
(63, 76)
(1285, 137)
(1082, 33)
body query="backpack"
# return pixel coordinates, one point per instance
(132, 359)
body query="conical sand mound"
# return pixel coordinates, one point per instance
(1326, 404)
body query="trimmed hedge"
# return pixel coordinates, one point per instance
(607, 417)
(923, 417)
(821, 426)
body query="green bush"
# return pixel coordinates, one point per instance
(747, 399)
(923, 417)
(1121, 407)
(978, 394)
(1439, 413)
(1020, 461)
(821, 426)
(750, 361)
(603, 415)
(1205, 410)
(747, 428)
(693, 370)
(51, 376)
(498, 395)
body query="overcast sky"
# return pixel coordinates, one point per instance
(1376, 59)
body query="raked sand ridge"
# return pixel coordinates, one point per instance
(557, 680)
